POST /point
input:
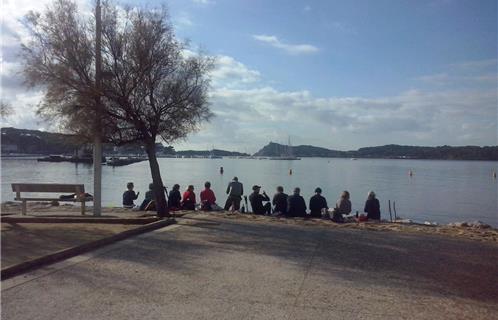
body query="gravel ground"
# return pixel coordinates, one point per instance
(211, 267)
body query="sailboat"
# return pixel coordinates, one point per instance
(287, 155)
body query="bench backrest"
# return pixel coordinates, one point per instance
(47, 187)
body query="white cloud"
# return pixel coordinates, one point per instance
(183, 21)
(294, 49)
(232, 73)
(307, 8)
(255, 115)
(203, 2)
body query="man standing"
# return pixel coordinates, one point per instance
(235, 190)
(257, 202)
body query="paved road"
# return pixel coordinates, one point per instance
(213, 268)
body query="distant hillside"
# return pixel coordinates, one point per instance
(275, 150)
(38, 142)
(388, 151)
(22, 141)
(214, 152)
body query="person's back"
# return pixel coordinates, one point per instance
(235, 190)
(257, 199)
(129, 196)
(174, 198)
(207, 197)
(343, 205)
(296, 207)
(372, 207)
(280, 201)
(188, 201)
(317, 203)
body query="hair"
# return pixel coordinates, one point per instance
(280, 189)
(190, 187)
(371, 195)
(297, 190)
(176, 187)
(345, 194)
(318, 190)
(129, 185)
(235, 179)
(151, 186)
(207, 185)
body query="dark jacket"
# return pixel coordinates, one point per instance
(372, 208)
(296, 207)
(280, 202)
(128, 197)
(256, 200)
(317, 203)
(174, 199)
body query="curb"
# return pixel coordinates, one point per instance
(139, 221)
(23, 267)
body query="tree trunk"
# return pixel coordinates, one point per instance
(161, 204)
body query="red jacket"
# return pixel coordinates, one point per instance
(188, 197)
(207, 195)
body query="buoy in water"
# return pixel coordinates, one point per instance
(410, 172)
(290, 172)
(221, 170)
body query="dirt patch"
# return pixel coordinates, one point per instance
(26, 241)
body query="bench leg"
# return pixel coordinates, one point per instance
(23, 207)
(83, 208)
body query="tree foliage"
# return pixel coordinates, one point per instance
(153, 86)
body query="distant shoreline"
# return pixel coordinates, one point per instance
(35, 156)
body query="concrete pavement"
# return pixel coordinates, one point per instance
(214, 268)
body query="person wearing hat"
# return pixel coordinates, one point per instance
(257, 199)
(317, 204)
(235, 190)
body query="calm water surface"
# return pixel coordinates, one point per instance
(442, 191)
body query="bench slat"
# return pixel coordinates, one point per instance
(48, 187)
(50, 199)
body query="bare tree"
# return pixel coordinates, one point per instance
(153, 88)
(6, 109)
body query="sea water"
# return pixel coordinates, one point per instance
(438, 190)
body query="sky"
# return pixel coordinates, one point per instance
(336, 74)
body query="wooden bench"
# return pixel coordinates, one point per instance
(78, 189)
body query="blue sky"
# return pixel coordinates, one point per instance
(339, 74)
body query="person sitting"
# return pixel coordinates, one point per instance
(188, 201)
(175, 198)
(235, 190)
(148, 202)
(317, 204)
(372, 207)
(257, 199)
(280, 201)
(208, 198)
(129, 195)
(342, 207)
(296, 207)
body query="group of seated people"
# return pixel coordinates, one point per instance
(295, 205)
(282, 204)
